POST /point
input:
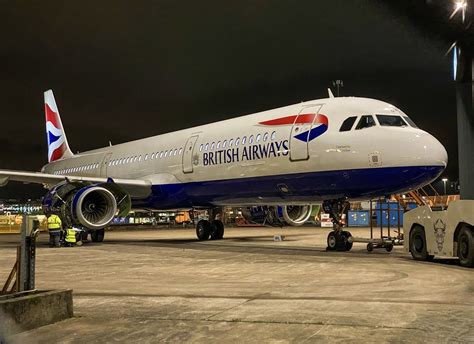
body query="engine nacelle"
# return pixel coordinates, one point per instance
(94, 207)
(296, 215)
(292, 215)
(88, 205)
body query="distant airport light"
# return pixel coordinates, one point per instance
(444, 182)
(460, 5)
(455, 62)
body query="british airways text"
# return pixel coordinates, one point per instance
(246, 153)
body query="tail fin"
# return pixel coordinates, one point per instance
(58, 147)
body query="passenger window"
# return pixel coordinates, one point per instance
(181, 150)
(348, 123)
(161, 154)
(365, 122)
(391, 121)
(237, 141)
(166, 154)
(265, 137)
(244, 139)
(257, 139)
(200, 148)
(224, 143)
(175, 152)
(140, 158)
(250, 139)
(146, 157)
(207, 147)
(218, 144)
(152, 155)
(212, 145)
(231, 142)
(273, 135)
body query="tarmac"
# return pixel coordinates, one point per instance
(148, 286)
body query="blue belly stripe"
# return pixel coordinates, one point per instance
(300, 187)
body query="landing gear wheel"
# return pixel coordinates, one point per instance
(370, 247)
(203, 230)
(98, 235)
(84, 235)
(345, 235)
(332, 241)
(389, 247)
(217, 231)
(339, 241)
(418, 244)
(466, 247)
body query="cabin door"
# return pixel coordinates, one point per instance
(301, 132)
(105, 164)
(188, 154)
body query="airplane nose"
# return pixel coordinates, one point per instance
(436, 153)
(425, 150)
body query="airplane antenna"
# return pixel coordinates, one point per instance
(110, 143)
(331, 95)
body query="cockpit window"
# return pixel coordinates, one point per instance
(348, 123)
(409, 121)
(365, 122)
(391, 121)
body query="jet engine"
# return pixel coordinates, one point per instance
(296, 215)
(88, 205)
(292, 215)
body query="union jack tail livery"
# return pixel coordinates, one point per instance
(58, 147)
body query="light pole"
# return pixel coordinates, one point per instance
(444, 182)
(338, 84)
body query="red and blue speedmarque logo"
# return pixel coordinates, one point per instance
(56, 142)
(319, 123)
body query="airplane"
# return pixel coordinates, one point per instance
(328, 150)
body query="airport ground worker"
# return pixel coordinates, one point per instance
(70, 239)
(54, 228)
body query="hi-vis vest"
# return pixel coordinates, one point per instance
(54, 222)
(70, 235)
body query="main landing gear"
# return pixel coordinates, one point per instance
(338, 239)
(213, 229)
(96, 235)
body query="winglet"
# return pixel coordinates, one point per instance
(58, 147)
(331, 95)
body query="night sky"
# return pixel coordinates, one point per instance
(123, 70)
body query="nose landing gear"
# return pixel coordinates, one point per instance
(338, 239)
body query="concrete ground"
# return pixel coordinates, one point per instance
(164, 286)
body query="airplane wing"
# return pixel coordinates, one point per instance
(135, 187)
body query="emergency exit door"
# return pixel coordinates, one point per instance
(188, 154)
(300, 132)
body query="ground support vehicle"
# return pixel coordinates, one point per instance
(441, 233)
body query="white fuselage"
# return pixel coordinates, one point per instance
(204, 166)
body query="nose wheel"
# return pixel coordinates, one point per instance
(338, 239)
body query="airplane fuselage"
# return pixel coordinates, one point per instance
(291, 155)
